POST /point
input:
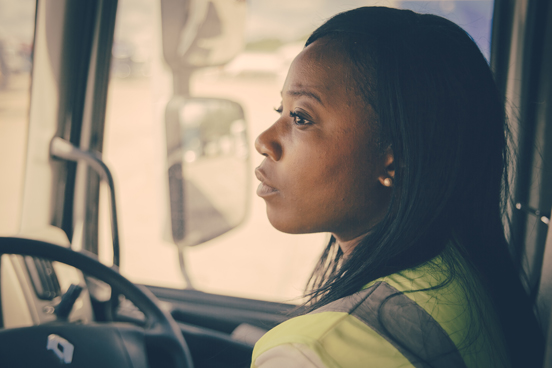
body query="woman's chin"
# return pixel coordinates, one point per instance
(286, 225)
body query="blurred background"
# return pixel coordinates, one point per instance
(253, 260)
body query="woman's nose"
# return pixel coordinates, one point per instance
(267, 144)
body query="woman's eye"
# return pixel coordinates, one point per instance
(298, 119)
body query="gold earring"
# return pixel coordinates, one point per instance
(387, 182)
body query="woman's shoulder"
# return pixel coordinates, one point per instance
(448, 292)
(332, 336)
(421, 310)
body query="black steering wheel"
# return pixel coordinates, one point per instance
(119, 345)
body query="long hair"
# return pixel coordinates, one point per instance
(442, 115)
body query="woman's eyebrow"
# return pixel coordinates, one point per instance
(302, 92)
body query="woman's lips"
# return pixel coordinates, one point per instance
(263, 190)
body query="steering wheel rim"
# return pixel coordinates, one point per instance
(159, 324)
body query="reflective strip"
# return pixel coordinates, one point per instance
(406, 325)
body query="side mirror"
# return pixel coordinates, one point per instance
(202, 33)
(208, 167)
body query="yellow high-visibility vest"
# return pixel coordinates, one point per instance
(394, 322)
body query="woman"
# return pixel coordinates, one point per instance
(392, 137)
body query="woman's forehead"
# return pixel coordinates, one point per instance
(320, 71)
(325, 53)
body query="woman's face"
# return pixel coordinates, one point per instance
(323, 171)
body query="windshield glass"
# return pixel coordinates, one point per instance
(253, 260)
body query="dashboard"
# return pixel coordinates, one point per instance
(32, 287)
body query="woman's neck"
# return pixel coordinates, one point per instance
(347, 245)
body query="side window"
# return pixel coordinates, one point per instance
(17, 23)
(475, 17)
(252, 260)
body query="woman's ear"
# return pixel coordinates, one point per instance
(386, 179)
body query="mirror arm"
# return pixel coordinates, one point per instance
(64, 150)
(181, 81)
(183, 269)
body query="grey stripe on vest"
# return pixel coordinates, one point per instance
(406, 325)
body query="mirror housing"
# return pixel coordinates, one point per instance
(202, 33)
(208, 167)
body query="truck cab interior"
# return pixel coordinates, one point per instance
(130, 235)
